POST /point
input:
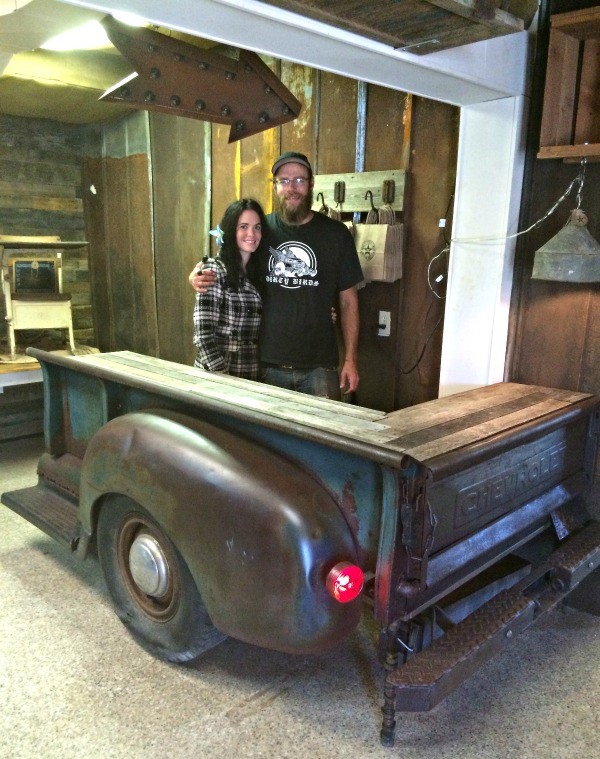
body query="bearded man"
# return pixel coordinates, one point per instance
(311, 267)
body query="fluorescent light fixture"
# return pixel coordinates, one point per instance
(131, 19)
(90, 36)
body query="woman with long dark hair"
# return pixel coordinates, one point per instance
(227, 316)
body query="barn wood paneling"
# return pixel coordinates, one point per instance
(225, 174)
(181, 190)
(336, 136)
(257, 154)
(119, 221)
(97, 232)
(555, 336)
(387, 146)
(41, 194)
(300, 135)
(558, 340)
(420, 136)
(21, 411)
(430, 188)
(387, 141)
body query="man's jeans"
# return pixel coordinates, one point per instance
(324, 383)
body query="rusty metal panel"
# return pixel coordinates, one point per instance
(465, 502)
(256, 522)
(173, 76)
(432, 674)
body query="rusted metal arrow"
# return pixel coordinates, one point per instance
(176, 77)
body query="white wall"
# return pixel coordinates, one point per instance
(488, 195)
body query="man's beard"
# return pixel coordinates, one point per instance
(295, 215)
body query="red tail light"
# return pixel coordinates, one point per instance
(345, 581)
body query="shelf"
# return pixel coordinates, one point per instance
(571, 152)
(12, 242)
(571, 115)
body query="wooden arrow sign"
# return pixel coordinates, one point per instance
(175, 77)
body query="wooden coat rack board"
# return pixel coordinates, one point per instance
(379, 246)
(386, 186)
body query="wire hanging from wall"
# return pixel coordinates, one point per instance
(435, 258)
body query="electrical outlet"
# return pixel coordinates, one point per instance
(385, 321)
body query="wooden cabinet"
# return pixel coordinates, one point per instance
(571, 115)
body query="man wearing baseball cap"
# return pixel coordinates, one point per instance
(311, 267)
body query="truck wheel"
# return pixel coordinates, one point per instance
(152, 589)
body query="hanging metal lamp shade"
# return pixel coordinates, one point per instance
(572, 255)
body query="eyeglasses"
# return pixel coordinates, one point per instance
(286, 182)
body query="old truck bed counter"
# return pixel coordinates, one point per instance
(220, 506)
(425, 432)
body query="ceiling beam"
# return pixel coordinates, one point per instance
(480, 72)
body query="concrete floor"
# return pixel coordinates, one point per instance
(74, 685)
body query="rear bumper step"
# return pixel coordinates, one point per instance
(431, 675)
(47, 510)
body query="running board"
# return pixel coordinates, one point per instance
(423, 681)
(47, 510)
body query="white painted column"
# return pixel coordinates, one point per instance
(491, 154)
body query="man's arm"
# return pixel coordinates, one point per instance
(349, 325)
(201, 279)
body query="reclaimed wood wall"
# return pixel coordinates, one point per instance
(180, 150)
(148, 222)
(555, 326)
(118, 211)
(558, 323)
(41, 195)
(153, 185)
(401, 132)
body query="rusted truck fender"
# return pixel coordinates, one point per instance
(257, 533)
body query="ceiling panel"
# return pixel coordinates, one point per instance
(419, 26)
(66, 86)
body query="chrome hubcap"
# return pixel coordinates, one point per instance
(148, 566)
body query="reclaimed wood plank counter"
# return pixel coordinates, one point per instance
(425, 432)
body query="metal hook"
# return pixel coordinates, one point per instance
(369, 194)
(320, 195)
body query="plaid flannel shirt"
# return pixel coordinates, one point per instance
(226, 324)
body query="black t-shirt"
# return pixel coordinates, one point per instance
(303, 271)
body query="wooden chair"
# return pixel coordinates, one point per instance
(32, 288)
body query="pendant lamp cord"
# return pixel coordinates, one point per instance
(579, 179)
